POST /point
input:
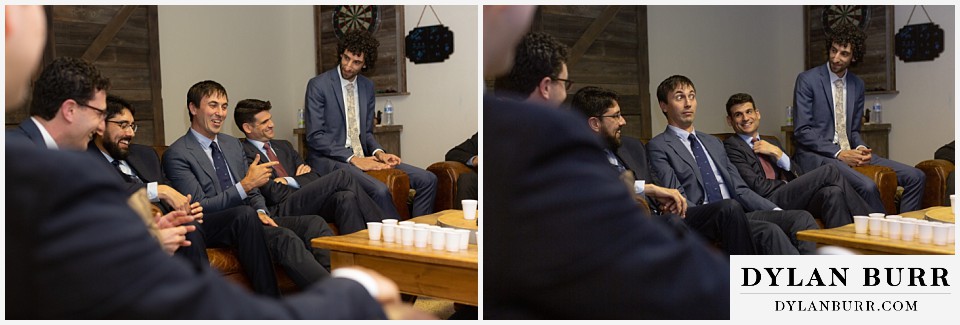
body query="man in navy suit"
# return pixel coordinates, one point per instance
(696, 164)
(139, 168)
(468, 153)
(570, 241)
(339, 121)
(829, 106)
(539, 74)
(296, 189)
(767, 170)
(211, 167)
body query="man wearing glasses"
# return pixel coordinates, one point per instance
(539, 72)
(68, 106)
(339, 120)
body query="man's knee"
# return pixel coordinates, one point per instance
(912, 176)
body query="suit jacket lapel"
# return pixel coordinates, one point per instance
(713, 151)
(682, 152)
(851, 98)
(338, 93)
(193, 146)
(748, 152)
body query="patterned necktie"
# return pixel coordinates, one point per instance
(220, 164)
(767, 167)
(273, 157)
(710, 184)
(840, 116)
(128, 176)
(353, 128)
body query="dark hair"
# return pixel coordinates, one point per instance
(115, 105)
(737, 99)
(593, 101)
(201, 89)
(845, 34)
(538, 55)
(360, 42)
(247, 109)
(668, 85)
(65, 78)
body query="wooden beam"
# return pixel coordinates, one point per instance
(591, 34)
(108, 33)
(153, 28)
(643, 73)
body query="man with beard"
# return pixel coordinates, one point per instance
(139, 168)
(722, 221)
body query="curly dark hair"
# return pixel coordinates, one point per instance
(538, 55)
(360, 42)
(65, 78)
(201, 89)
(246, 110)
(116, 104)
(848, 34)
(593, 101)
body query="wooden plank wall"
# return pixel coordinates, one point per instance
(130, 58)
(608, 49)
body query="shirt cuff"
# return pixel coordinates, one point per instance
(470, 161)
(837, 154)
(777, 209)
(292, 182)
(152, 192)
(243, 194)
(784, 162)
(638, 186)
(361, 277)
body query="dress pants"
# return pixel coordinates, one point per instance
(424, 182)
(824, 193)
(240, 227)
(911, 178)
(789, 222)
(723, 222)
(336, 196)
(467, 189)
(290, 247)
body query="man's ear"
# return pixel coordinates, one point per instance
(594, 123)
(730, 121)
(68, 109)
(192, 108)
(543, 88)
(247, 128)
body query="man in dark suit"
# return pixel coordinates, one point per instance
(339, 121)
(722, 221)
(696, 164)
(139, 168)
(540, 73)
(829, 106)
(946, 152)
(552, 189)
(295, 188)
(212, 168)
(468, 153)
(767, 171)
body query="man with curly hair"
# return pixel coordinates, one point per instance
(339, 120)
(829, 107)
(539, 72)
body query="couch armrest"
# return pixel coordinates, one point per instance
(886, 180)
(935, 190)
(447, 173)
(398, 184)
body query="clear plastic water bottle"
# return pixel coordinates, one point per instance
(388, 113)
(300, 117)
(789, 115)
(877, 116)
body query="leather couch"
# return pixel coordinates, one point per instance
(935, 190)
(447, 173)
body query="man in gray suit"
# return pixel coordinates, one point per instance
(339, 120)
(212, 167)
(697, 164)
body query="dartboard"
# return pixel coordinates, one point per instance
(835, 15)
(348, 18)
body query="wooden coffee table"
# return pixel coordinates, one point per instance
(417, 271)
(845, 236)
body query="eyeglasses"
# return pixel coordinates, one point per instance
(124, 125)
(616, 116)
(101, 112)
(567, 83)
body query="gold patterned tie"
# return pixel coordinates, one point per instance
(840, 116)
(353, 128)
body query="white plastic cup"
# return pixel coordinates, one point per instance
(953, 204)
(437, 238)
(389, 232)
(893, 216)
(420, 237)
(876, 215)
(951, 233)
(374, 229)
(876, 226)
(893, 229)
(407, 238)
(908, 230)
(422, 226)
(860, 224)
(469, 209)
(464, 238)
(926, 233)
(390, 221)
(940, 234)
(451, 240)
(885, 227)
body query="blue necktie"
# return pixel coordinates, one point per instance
(710, 184)
(614, 161)
(130, 178)
(220, 164)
